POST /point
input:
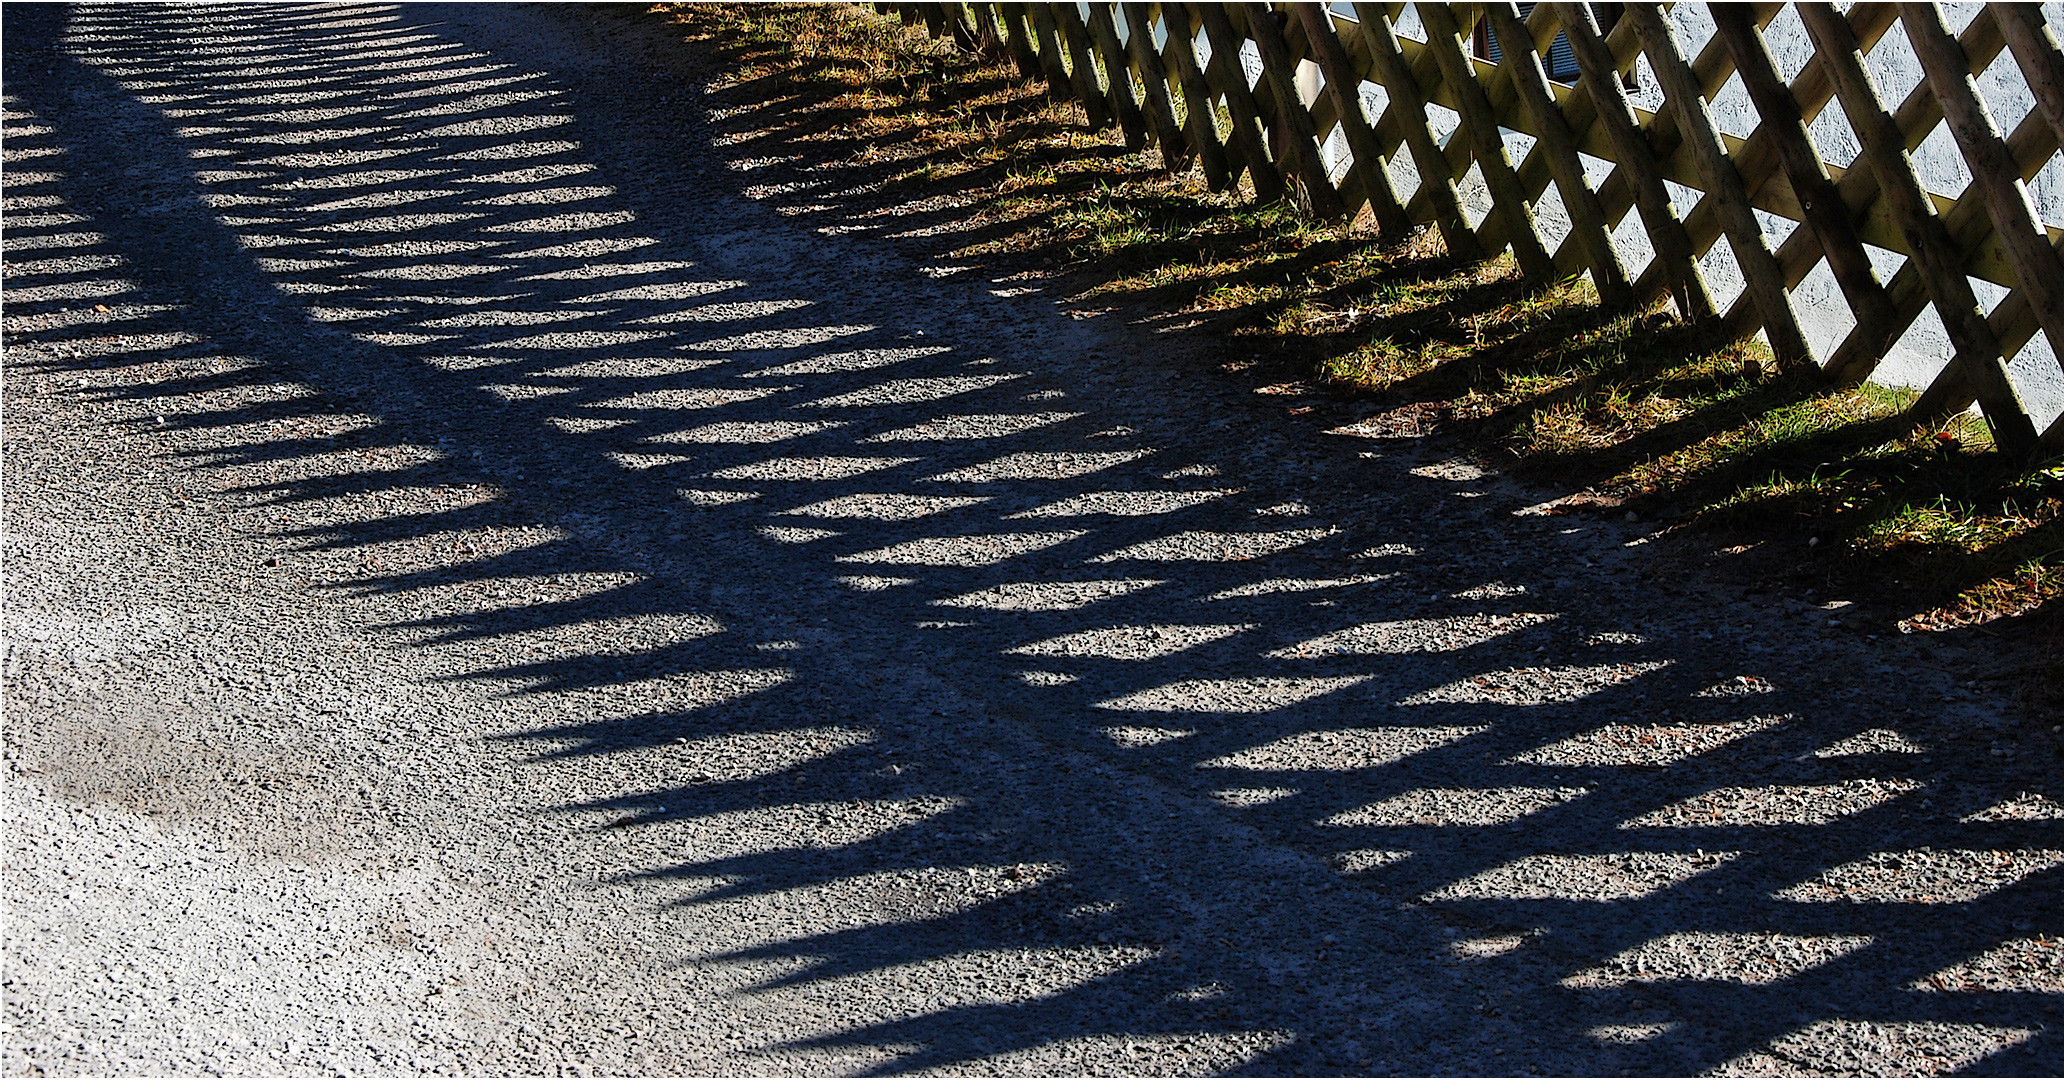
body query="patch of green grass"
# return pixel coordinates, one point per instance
(1943, 523)
(1934, 508)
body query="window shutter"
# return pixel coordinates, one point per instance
(1562, 66)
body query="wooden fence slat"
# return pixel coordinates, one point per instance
(960, 30)
(1918, 116)
(2014, 323)
(1953, 391)
(1674, 161)
(1769, 189)
(1047, 41)
(1153, 73)
(1393, 213)
(1622, 48)
(1300, 141)
(1428, 74)
(1977, 350)
(1533, 169)
(1344, 85)
(2036, 51)
(1812, 91)
(1224, 75)
(1201, 105)
(1391, 124)
(1104, 37)
(1991, 167)
(1481, 126)
(1083, 71)
(1578, 115)
(1275, 129)
(1725, 185)
(1531, 175)
(1016, 40)
(1779, 114)
(1052, 50)
(1390, 134)
(1431, 71)
(1675, 256)
(1408, 105)
(1755, 159)
(1588, 219)
(2031, 144)
(1180, 54)
(1320, 107)
(989, 38)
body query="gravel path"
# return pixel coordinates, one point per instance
(484, 594)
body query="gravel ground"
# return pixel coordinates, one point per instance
(502, 574)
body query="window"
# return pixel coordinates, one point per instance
(1560, 64)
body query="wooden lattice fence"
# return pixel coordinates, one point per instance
(1202, 107)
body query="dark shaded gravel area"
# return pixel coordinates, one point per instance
(496, 583)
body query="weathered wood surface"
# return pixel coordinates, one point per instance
(1588, 217)
(1137, 67)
